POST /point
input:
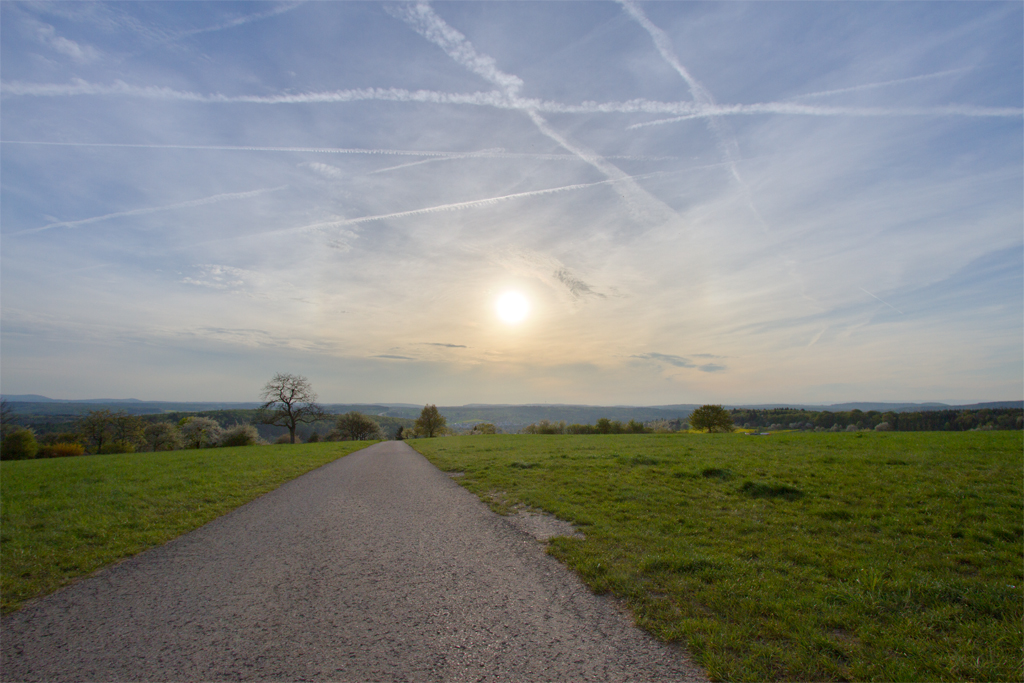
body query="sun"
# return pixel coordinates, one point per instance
(512, 307)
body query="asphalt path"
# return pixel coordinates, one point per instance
(376, 567)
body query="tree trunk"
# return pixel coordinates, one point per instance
(291, 431)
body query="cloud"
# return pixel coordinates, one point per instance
(449, 346)
(393, 357)
(677, 361)
(577, 287)
(681, 362)
(711, 367)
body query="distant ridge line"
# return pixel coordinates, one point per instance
(864, 406)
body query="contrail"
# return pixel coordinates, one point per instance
(483, 154)
(880, 84)
(153, 209)
(727, 144)
(882, 300)
(680, 110)
(448, 207)
(444, 158)
(240, 21)
(427, 23)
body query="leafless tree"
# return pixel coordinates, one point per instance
(289, 400)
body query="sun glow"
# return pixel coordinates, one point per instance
(512, 307)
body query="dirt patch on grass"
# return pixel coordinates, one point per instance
(541, 525)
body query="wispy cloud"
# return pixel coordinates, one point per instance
(681, 362)
(677, 361)
(229, 196)
(447, 346)
(577, 287)
(47, 35)
(393, 357)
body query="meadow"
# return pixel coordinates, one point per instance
(803, 556)
(63, 518)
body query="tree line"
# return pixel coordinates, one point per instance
(289, 401)
(851, 420)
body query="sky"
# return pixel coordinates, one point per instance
(687, 202)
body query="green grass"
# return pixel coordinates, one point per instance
(867, 556)
(63, 518)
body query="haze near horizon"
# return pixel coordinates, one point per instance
(593, 203)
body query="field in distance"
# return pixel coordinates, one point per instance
(866, 556)
(64, 518)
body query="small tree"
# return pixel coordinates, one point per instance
(162, 436)
(96, 428)
(129, 430)
(430, 422)
(200, 432)
(288, 401)
(713, 418)
(355, 426)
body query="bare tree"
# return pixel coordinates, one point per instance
(289, 400)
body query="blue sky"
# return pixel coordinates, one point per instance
(804, 202)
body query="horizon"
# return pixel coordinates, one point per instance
(585, 203)
(19, 398)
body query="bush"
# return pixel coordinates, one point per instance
(314, 438)
(60, 450)
(286, 438)
(580, 429)
(883, 427)
(635, 427)
(117, 446)
(355, 426)
(545, 427)
(239, 435)
(19, 445)
(483, 428)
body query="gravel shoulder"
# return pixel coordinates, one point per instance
(376, 567)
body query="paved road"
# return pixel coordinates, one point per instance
(376, 567)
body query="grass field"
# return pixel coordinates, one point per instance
(867, 556)
(62, 518)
